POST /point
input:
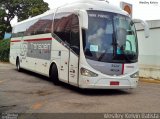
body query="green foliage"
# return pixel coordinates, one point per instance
(23, 9)
(4, 50)
(2, 23)
(31, 8)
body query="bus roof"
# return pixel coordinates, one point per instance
(101, 5)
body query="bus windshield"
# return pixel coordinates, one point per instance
(110, 37)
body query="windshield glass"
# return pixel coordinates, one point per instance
(110, 38)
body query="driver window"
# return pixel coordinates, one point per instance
(74, 41)
(131, 39)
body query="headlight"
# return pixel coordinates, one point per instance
(86, 72)
(135, 75)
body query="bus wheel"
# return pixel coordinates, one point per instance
(18, 65)
(54, 74)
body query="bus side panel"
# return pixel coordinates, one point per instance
(14, 50)
(37, 53)
(60, 55)
(42, 66)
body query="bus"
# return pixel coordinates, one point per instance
(88, 44)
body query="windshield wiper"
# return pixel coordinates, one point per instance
(102, 55)
(114, 44)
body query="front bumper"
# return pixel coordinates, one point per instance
(104, 83)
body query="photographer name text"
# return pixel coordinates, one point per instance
(149, 2)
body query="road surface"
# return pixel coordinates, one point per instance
(27, 92)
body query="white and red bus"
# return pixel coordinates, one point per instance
(88, 44)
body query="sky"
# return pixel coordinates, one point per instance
(142, 9)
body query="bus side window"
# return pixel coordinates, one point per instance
(62, 24)
(30, 28)
(74, 41)
(44, 25)
(39, 26)
(18, 31)
(66, 29)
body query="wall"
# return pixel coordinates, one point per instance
(149, 50)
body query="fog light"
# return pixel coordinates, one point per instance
(86, 72)
(135, 75)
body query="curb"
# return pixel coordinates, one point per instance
(150, 81)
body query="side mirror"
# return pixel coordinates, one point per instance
(83, 18)
(145, 25)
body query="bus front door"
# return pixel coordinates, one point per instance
(74, 51)
(64, 65)
(73, 69)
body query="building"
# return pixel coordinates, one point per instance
(149, 50)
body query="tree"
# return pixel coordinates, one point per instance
(2, 23)
(23, 9)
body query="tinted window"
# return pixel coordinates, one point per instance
(74, 41)
(66, 29)
(18, 30)
(44, 25)
(39, 26)
(31, 27)
(62, 26)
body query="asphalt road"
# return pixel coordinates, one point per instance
(27, 92)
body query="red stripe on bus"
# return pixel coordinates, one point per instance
(122, 68)
(29, 40)
(38, 39)
(16, 41)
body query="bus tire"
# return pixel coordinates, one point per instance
(18, 65)
(54, 74)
